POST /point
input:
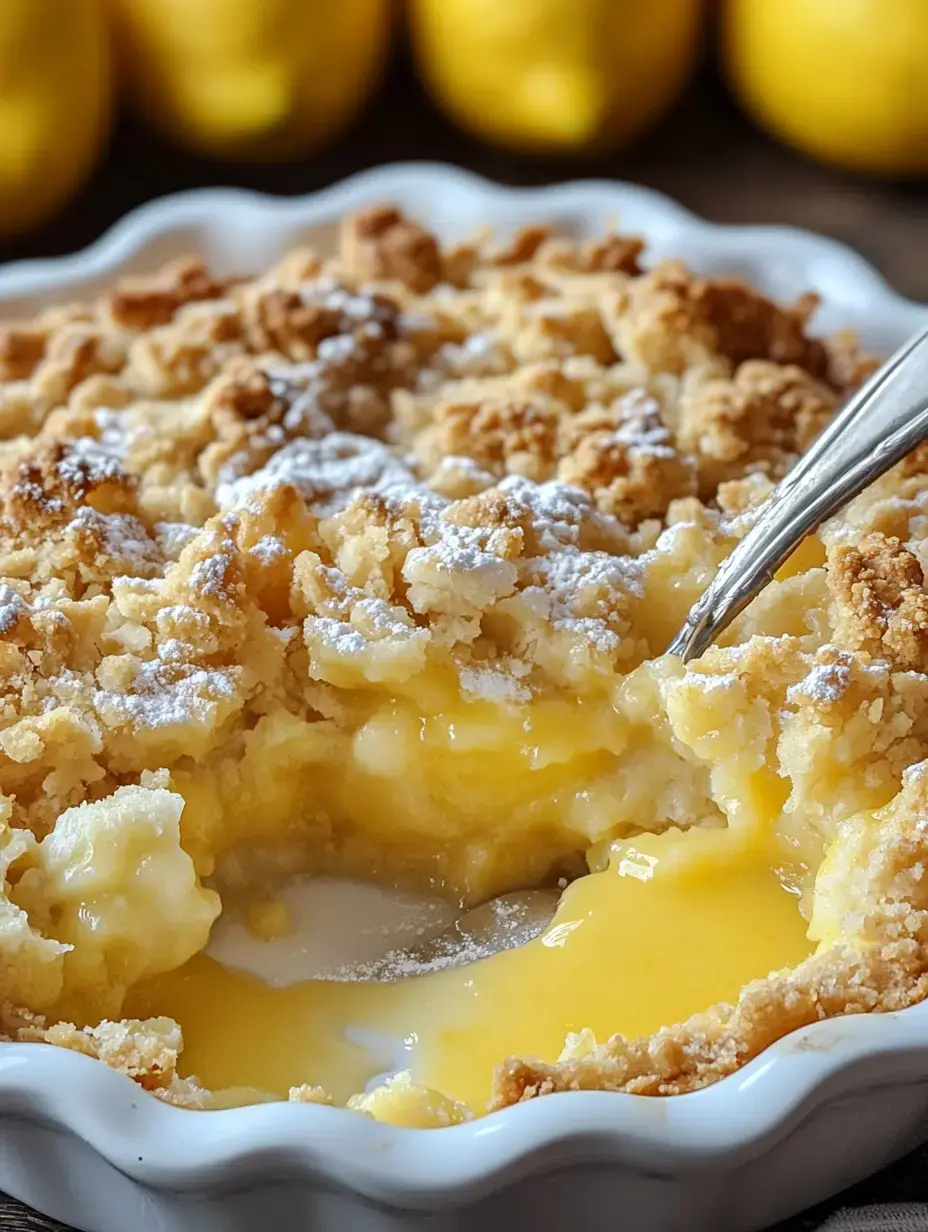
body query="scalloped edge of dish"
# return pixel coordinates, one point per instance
(734, 1120)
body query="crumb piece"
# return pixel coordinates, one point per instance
(521, 246)
(140, 304)
(555, 330)
(297, 322)
(190, 1093)
(670, 318)
(381, 243)
(761, 420)
(880, 602)
(625, 456)
(402, 1102)
(21, 348)
(848, 366)
(613, 254)
(458, 263)
(146, 1051)
(503, 436)
(306, 1094)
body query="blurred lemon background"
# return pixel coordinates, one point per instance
(289, 94)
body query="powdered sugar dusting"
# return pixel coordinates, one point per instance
(166, 695)
(584, 592)
(825, 684)
(208, 576)
(642, 427)
(357, 307)
(569, 574)
(115, 434)
(557, 510)
(480, 354)
(710, 682)
(494, 683)
(459, 466)
(173, 537)
(12, 608)
(348, 641)
(465, 553)
(269, 549)
(325, 472)
(120, 536)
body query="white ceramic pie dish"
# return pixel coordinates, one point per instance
(818, 1110)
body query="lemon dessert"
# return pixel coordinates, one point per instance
(365, 568)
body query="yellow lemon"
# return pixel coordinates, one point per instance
(55, 93)
(258, 79)
(845, 81)
(558, 75)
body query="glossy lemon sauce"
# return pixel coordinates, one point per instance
(676, 923)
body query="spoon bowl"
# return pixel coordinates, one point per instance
(504, 923)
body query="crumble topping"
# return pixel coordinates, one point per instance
(670, 319)
(762, 419)
(381, 243)
(242, 519)
(880, 599)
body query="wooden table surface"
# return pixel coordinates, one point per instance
(704, 154)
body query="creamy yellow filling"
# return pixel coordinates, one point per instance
(472, 799)
(676, 922)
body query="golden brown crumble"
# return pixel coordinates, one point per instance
(236, 513)
(916, 463)
(521, 246)
(141, 304)
(382, 243)
(294, 322)
(506, 437)
(623, 455)
(672, 318)
(762, 419)
(145, 1051)
(881, 604)
(20, 351)
(848, 367)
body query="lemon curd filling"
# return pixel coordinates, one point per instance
(468, 797)
(478, 799)
(699, 918)
(364, 569)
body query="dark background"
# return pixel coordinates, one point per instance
(704, 154)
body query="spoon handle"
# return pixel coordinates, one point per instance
(883, 422)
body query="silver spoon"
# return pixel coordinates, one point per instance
(503, 923)
(883, 422)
